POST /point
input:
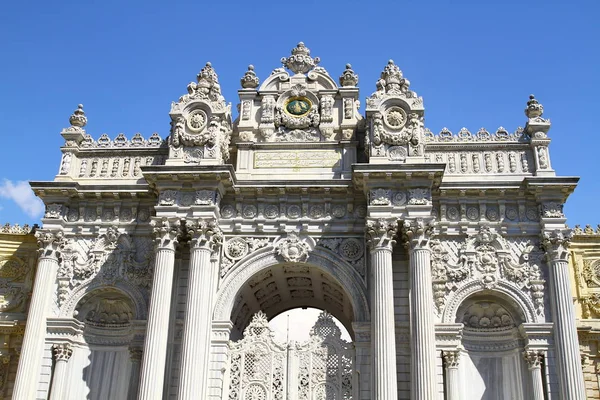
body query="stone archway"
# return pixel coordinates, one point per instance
(322, 268)
(265, 283)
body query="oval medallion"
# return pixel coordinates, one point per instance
(298, 106)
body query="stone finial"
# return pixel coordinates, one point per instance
(250, 80)
(534, 108)
(78, 117)
(348, 77)
(392, 80)
(300, 62)
(207, 76)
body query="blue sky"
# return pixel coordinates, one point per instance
(474, 63)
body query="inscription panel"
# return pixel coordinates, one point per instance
(297, 159)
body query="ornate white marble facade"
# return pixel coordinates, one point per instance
(443, 255)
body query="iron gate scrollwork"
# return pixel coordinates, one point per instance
(263, 369)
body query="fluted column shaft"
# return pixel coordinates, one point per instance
(155, 344)
(380, 236)
(451, 359)
(534, 364)
(32, 348)
(423, 351)
(570, 374)
(62, 354)
(202, 284)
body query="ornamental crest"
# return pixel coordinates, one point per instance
(486, 258)
(292, 248)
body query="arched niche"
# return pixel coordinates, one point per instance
(103, 360)
(491, 364)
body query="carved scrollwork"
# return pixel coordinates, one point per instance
(292, 248)
(485, 257)
(50, 243)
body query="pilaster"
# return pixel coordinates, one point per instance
(451, 360)
(62, 353)
(534, 359)
(135, 356)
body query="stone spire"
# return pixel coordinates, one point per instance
(78, 118)
(250, 80)
(348, 77)
(300, 62)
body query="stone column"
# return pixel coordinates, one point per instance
(135, 355)
(423, 351)
(534, 364)
(32, 349)
(381, 239)
(202, 285)
(570, 375)
(62, 353)
(155, 345)
(451, 359)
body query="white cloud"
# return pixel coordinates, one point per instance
(20, 192)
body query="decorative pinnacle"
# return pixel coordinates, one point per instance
(207, 76)
(78, 117)
(392, 80)
(348, 77)
(250, 80)
(300, 62)
(534, 108)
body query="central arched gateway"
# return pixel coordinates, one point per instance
(265, 285)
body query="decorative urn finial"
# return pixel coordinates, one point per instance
(300, 62)
(207, 76)
(534, 108)
(250, 80)
(392, 79)
(78, 117)
(348, 77)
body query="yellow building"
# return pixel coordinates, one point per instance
(585, 262)
(18, 259)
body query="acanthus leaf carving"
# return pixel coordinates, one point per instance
(381, 233)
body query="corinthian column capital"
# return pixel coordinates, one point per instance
(381, 233)
(417, 233)
(166, 232)
(204, 233)
(62, 351)
(50, 243)
(533, 358)
(556, 244)
(451, 358)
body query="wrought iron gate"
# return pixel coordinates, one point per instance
(320, 369)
